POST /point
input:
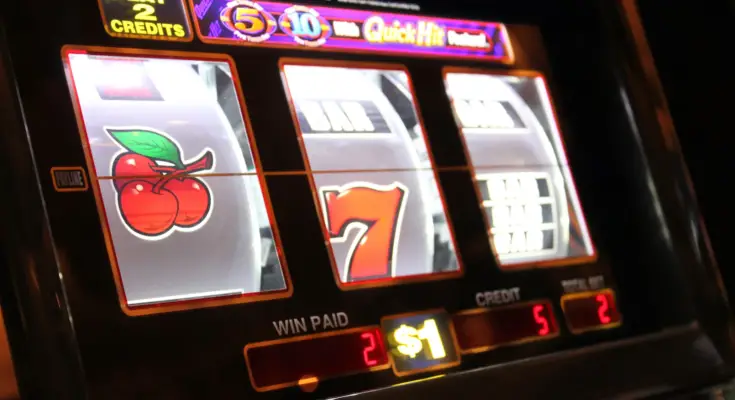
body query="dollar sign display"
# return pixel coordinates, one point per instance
(408, 339)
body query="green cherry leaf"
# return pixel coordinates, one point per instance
(149, 144)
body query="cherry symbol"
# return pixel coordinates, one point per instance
(156, 186)
(133, 165)
(194, 200)
(147, 209)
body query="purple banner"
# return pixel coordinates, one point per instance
(268, 24)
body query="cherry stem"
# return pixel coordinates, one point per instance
(205, 162)
(167, 170)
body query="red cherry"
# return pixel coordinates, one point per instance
(194, 200)
(131, 164)
(145, 212)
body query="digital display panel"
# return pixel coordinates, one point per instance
(289, 362)
(271, 24)
(178, 188)
(522, 176)
(420, 342)
(380, 203)
(590, 311)
(146, 19)
(486, 328)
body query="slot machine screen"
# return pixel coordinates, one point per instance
(371, 172)
(182, 205)
(521, 173)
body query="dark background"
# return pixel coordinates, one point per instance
(693, 45)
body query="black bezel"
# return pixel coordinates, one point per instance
(75, 339)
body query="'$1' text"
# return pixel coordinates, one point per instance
(410, 340)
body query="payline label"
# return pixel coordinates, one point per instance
(283, 24)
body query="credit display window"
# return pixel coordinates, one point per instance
(367, 158)
(178, 189)
(522, 176)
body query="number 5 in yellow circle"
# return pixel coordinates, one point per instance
(248, 21)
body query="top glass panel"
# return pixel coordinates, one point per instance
(521, 172)
(270, 24)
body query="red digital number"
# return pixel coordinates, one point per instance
(369, 348)
(543, 329)
(602, 308)
(376, 211)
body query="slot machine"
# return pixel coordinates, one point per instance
(263, 199)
